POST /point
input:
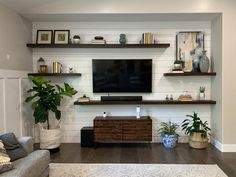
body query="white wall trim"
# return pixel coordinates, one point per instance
(17, 125)
(223, 147)
(229, 148)
(217, 144)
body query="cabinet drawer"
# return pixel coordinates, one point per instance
(107, 137)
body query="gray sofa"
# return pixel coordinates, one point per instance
(35, 164)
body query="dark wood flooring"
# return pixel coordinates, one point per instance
(143, 153)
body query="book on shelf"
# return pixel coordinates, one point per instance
(147, 38)
(83, 99)
(177, 71)
(96, 41)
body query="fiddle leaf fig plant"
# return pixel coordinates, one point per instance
(45, 97)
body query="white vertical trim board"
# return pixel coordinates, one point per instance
(12, 102)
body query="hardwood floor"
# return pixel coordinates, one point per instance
(143, 153)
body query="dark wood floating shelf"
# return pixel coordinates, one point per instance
(190, 74)
(160, 45)
(97, 102)
(54, 74)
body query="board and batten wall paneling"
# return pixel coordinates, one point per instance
(75, 117)
(15, 115)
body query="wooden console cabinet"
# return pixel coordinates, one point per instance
(122, 129)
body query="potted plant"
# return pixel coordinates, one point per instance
(202, 93)
(168, 134)
(47, 97)
(177, 64)
(197, 130)
(76, 39)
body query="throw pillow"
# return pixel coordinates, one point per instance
(5, 163)
(13, 147)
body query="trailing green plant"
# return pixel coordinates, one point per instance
(177, 62)
(46, 96)
(202, 89)
(195, 124)
(168, 128)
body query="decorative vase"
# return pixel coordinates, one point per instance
(204, 62)
(50, 138)
(196, 67)
(169, 141)
(122, 39)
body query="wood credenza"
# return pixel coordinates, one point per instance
(122, 129)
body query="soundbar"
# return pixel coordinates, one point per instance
(121, 98)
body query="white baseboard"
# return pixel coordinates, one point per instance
(223, 147)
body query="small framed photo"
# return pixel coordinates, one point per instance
(44, 36)
(189, 44)
(61, 36)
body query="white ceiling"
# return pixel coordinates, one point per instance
(57, 10)
(24, 5)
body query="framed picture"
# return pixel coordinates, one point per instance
(189, 45)
(44, 36)
(61, 36)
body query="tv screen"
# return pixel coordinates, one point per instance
(122, 75)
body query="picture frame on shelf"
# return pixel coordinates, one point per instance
(189, 47)
(44, 37)
(61, 36)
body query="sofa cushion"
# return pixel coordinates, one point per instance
(33, 165)
(5, 164)
(13, 147)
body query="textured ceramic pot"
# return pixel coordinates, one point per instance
(204, 62)
(169, 141)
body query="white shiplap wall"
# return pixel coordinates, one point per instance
(75, 117)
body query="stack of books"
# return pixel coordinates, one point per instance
(96, 41)
(177, 71)
(185, 98)
(147, 38)
(83, 99)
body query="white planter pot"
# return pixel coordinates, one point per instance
(50, 139)
(76, 41)
(201, 96)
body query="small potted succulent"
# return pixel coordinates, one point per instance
(76, 39)
(168, 134)
(197, 130)
(202, 93)
(177, 64)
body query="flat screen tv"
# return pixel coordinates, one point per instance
(122, 75)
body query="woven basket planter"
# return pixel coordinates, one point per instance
(197, 142)
(50, 139)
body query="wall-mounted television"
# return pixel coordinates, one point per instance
(122, 75)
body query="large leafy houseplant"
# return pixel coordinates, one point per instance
(195, 125)
(168, 134)
(46, 97)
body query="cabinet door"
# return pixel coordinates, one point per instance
(107, 130)
(137, 130)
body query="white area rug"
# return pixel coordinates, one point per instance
(133, 170)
